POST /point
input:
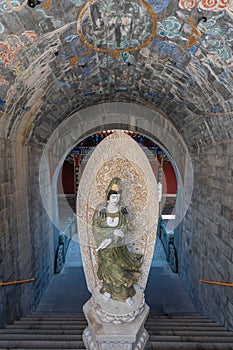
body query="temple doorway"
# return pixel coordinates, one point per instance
(68, 249)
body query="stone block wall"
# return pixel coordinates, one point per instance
(41, 228)
(25, 234)
(8, 265)
(207, 237)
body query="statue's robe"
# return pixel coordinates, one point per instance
(118, 268)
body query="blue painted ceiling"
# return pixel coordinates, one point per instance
(59, 56)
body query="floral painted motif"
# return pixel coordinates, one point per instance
(28, 36)
(3, 7)
(15, 5)
(9, 49)
(214, 5)
(218, 40)
(158, 5)
(3, 81)
(12, 45)
(170, 27)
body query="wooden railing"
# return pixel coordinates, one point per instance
(167, 240)
(17, 282)
(63, 243)
(225, 284)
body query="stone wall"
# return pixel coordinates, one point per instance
(8, 264)
(24, 235)
(42, 229)
(206, 251)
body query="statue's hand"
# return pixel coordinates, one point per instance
(102, 213)
(124, 211)
(119, 233)
(104, 244)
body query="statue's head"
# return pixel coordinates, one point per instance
(114, 197)
(113, 193)
(114, 189)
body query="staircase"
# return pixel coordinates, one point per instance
(64, 331)
(187, 332)
(44, 331)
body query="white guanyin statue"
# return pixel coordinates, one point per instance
(118, 268)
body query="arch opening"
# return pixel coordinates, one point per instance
(113, 116)
(73, 168)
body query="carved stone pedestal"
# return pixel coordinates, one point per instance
(100, 335)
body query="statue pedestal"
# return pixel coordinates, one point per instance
(101, 335)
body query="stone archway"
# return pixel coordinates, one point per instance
(115, 115)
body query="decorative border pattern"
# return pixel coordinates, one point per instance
(207, 5)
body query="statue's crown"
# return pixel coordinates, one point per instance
(115, 187)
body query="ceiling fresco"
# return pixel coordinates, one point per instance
(59, 56)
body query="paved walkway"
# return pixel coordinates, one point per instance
(67, 292)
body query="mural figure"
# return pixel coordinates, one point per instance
(118, 268)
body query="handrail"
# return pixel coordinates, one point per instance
(17, 282)
(63, 243)
(217, 283)
(167, 240)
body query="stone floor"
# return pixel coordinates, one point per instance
(164, 293)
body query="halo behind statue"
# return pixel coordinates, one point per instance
(118, 161)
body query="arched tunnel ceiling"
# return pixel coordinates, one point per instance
(64, 55)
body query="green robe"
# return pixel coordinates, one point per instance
(118, 268)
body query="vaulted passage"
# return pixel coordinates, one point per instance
(70, 69)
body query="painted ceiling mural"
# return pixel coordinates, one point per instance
(58, 56)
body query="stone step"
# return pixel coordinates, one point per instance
(189, 328)
(46, 326)
(54, 318)
(44, 322)
(42, 331)
(191, 339)
(166, 332)
(148, 325)
(80, 314)
(54, 314)
(64, 332)
(180, 316)
(173, 321)
(42, 344)
(184, 319)
(41, 337)
(189, 346)
(153, 338)
(200, 332)
(163, 323)
(169, 323)
(82, 318)
(62, 329)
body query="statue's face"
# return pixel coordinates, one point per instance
(114, 199)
